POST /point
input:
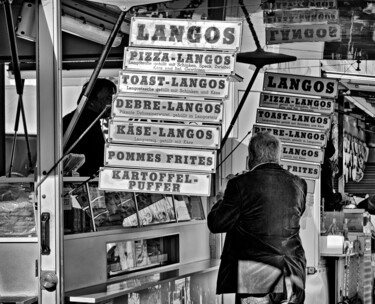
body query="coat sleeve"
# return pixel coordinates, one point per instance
(225, 213)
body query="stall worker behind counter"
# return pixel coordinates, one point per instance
(92, 143)
(260, 212)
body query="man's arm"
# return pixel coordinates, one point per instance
(225, 213)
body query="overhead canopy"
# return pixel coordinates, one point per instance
(362, 104)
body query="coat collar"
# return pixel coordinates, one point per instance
(266, 166)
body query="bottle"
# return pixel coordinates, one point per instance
(333, 229)
(366, 223)
(345, 229)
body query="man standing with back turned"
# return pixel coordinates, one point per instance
(260, 214)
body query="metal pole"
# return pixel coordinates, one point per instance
(239, 108)
(13, 46)
(94, 76)
(18, 80)
(16, 124)
(2, 121)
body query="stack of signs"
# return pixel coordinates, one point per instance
(301, 21)
(166, 120)
(303, 120)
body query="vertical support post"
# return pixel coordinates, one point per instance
(340, 121)
(2, 121)
(49, 150)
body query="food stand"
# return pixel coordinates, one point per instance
(137, 232)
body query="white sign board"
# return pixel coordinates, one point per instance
(167, 134)
(297, 84)
(296, 136)
(178, 61)
(303, 170)
(292, 4)
(303, 33)
(297, 103)
(310, 185)
(167, 108)
(148, 181)
(160, 158)
(302, 153)
(213, 87)
(185, 34)
(299, 16)
(293, 119)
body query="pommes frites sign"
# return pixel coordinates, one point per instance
(180, 33)
(303, 170)
(160, 158)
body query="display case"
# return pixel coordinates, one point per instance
(133, 246)
(129, 256)
(18, 240)
(17, 210)
(87, 208)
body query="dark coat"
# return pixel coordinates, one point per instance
(260, 212)
(91, 144)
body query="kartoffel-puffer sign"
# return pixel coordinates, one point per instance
(136, 180)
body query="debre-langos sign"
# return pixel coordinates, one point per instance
(185, 135)
(297, 103)
(303, 85)
(293, 119)
(160, 158)
(180, 33)
(213, 87)
(148, 181)
(179, 61)
(295, 136)
(167, 109)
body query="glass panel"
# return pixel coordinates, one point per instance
(189, 207)
(155, 208)
(114, 210)
(17, 210)
(134, 255)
